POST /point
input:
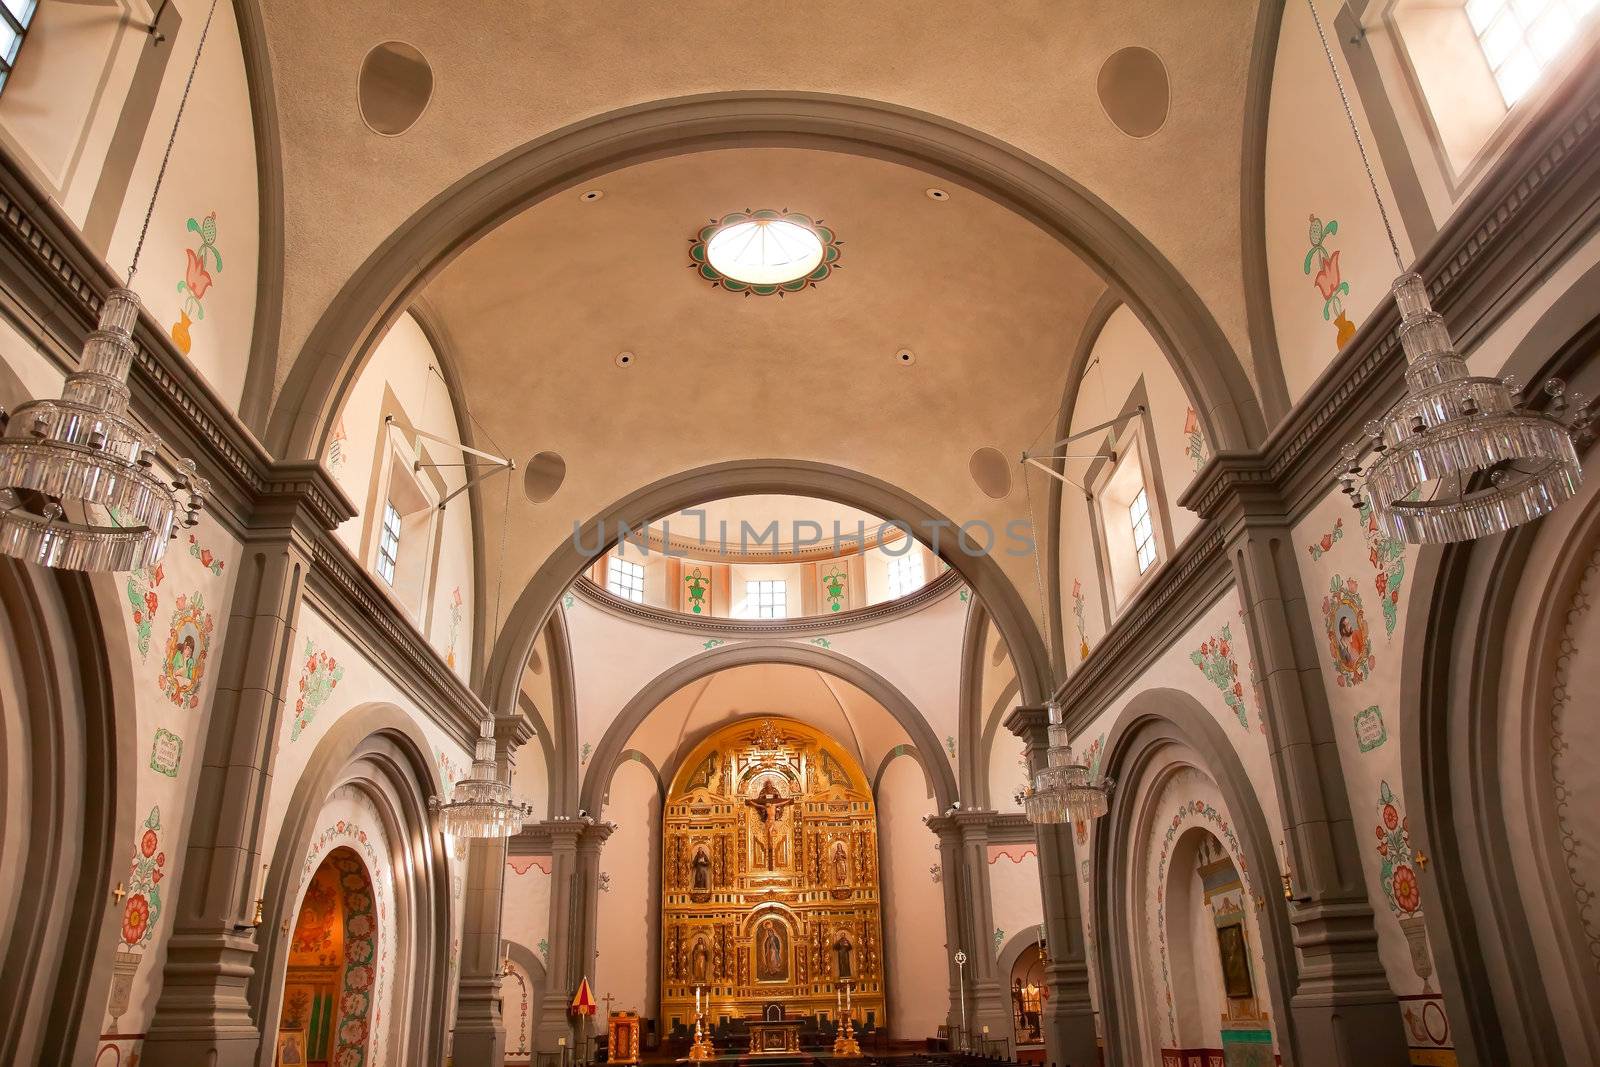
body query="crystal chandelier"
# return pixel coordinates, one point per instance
(1064, 790)
(480, 805)
(64, 462)
(1451, 426)
(1457, 457)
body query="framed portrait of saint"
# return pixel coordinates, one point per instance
(1235, 961)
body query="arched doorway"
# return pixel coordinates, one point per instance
(332, 972)
(770, 880)
(1029, 991)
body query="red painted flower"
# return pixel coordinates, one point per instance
(1327, 279)
(138, 617)
(198, 279)
(1382, 582)
(205, 556)
(147, 844)
(161, 859)
(1391, 817)
(1407, 893)
(135, 919)
(150, 602)
(1327, 542)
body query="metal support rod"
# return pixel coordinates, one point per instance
(1052, 472)
(424, 435)
(1085, 432)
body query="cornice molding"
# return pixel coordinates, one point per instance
(809, 626)
(52, 287)
(697, 550)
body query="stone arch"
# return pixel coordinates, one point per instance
(379, 749)
(537, 602)
(991, 731)
(608, 752)
(398, 269)
(1153, 721)
(1013, 949)
(909, 751)
(532, 966)
(1450, 709)
(74, 681)
(969, 725)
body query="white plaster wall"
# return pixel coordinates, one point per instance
(1014, 892)
(913, 904)
(629, 856)
(526, 915)
(401, 362)
(1313, 169)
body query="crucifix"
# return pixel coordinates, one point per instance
(118, 893)
(769, 806)
(608, 998)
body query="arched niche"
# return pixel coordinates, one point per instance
(375, 756)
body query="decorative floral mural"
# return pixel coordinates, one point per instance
(1216, 661)
(1388, 556)
(188, 646)
(142, 907)
(360, 934)
(1077, 613)
(1330, 285)
(833, 587)
(197, 279)
(337, 440)
(1349, 642)
(1398, 871)
(141, 593)
(1194, 440)
(1325, 544)
(697, 586)
(207, 558)
(318, 679)
(455, 626)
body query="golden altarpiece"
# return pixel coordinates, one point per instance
(770, 879)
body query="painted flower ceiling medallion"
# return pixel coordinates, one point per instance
(764, 252)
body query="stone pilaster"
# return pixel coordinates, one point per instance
(956, 935)
(555, 1023)
(1343, 1004)
(588, 918)
(1068, 1021)
(480, 1032)
(204, 1013)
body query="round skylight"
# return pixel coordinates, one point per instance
(762, 251)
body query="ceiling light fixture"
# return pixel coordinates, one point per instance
(764, 252)
(1457, 457)
(481, 805)
(84, 452)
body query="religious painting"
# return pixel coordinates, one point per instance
(291, 1049)
(188, 645)
(1235, 961)
(1349, 641)
(772, 952)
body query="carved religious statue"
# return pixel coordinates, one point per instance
(841, 954)
(702, 870)
(699, 962)
(840, 860)
(769, 805)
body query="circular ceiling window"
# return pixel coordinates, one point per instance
(764, 252)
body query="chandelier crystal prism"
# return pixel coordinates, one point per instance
(481, 805)
(1457, 457)
(1064, 789)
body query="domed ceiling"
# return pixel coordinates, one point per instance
(535, 314)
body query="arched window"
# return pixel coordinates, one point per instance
(15, 15)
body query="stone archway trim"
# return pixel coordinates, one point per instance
(608, 752)
(1151, 721)
(315, 384)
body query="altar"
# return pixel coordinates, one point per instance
(775, 1037)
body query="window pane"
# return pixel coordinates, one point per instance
(625, 579)
(905, 574)
(1482, 12)
(22, 9)
(389, 543)
(767, 599)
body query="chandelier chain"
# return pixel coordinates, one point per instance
(1355, 131)
(172, 138)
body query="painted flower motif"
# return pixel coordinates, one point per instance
(1327, 541)
(1327, 276)
(135, 919)
(360, 951)
(195, 275)
(147, 844)
(1407, 894)
(353, 1032)
(349, 1057)
(359, 926)
(358, 978)
(1391, 817)
(353, 1003)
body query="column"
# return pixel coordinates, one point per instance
(480, 1033)
(955, 924)
(1343, 1005)
(1068, 1021)
(203, 1014)
(987, 985)
(587, 923)
(554, 1024)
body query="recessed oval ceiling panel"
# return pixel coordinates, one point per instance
(394, 88)
(546, 471)
(1135, 92)
(991, 471)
